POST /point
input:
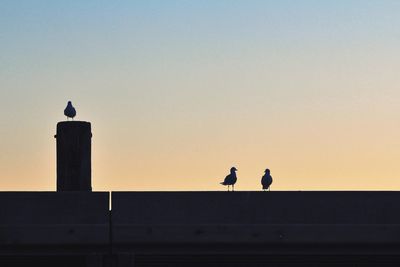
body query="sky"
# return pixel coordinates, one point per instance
(178, 92)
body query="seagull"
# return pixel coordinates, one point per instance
(70, 111)
(231, 179)
(266, 180)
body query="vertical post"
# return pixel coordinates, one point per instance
(74, 169)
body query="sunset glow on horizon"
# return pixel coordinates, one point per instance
(178, 92)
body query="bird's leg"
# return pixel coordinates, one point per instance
(233, 187)
(228, 188)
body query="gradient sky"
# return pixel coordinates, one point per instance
(179, 91)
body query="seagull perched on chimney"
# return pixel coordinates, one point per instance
(231, 179)
(266, 180)
(70, 111)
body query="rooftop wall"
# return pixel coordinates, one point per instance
(144, 220)
(259, 218)
(308, 207)
(54, 219)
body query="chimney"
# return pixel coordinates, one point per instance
(74, 168)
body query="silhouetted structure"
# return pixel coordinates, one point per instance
(230, 179)
(48, 229)
(266, 180)
(196, 229)
(70, 111)
(74, 156)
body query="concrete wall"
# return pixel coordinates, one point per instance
(146, 226)
(276, 218)
(256, 207)
(54, 219)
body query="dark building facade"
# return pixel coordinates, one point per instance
(200, 229)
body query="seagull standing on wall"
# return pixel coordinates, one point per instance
(266, 180)
(231, 179)
(70, 111)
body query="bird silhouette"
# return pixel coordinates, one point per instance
(230, 179)
(70, 111)
(266, 180)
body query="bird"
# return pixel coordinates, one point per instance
(230, 179)
(266, 180)
(70, 111)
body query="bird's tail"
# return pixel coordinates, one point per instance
(222, 183)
